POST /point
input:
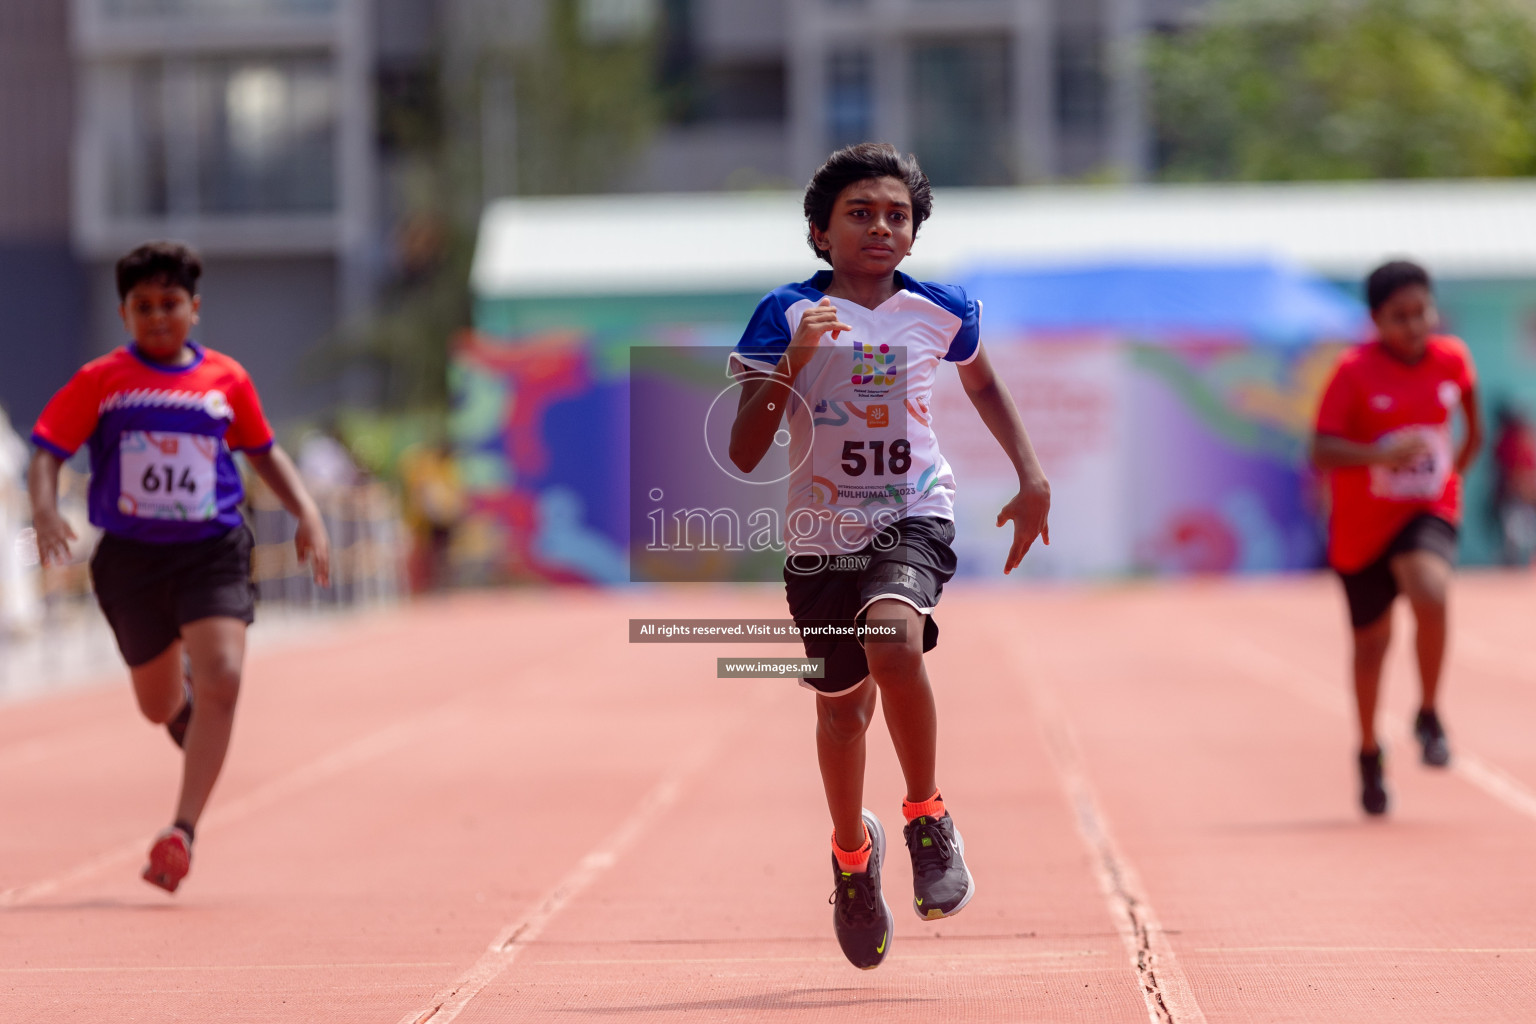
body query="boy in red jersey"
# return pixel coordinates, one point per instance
(1384, 435)
(163, 416)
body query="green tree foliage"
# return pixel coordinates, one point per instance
(584, 104)
(1344, 89)
(581, 106)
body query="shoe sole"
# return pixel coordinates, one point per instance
(168, 864)
(877, 840)
(934, 913)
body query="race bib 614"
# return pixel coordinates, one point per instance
(168, 475)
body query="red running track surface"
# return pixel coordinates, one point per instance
(494, 808)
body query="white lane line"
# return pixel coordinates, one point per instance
(354, 754)
(448, 1003)
(1164, 987)
(1489, 778)
(1495, 782)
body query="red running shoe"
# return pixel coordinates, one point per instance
(170, 858)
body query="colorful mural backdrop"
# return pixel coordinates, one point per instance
(540, 427)
(1164, 458)
(1172, 448)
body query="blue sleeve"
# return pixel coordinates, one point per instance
(952, 299)
(767, 333)
(962, 348)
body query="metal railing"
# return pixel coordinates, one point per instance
(369, 548)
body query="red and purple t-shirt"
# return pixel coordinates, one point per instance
(161, 439)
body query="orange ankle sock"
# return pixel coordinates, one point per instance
(933, 807)
(856, 861)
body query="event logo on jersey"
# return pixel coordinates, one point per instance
(874, 370)
(873, 364)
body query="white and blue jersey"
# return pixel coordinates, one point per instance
(862, 447)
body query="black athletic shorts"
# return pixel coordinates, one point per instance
(1372, 590)
(910, 560)
(149, 591)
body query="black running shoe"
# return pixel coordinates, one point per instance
(1373, 795)
(861, 918)
(1431, 734)
(177, 726)
(941, 883)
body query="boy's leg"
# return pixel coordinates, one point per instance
(1370, 652)
(941, 883)
(158, 685)
(216, 647)
(841, 723)
(910, 714)
(1425, 578)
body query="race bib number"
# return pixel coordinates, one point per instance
(168, 475)
(1422, 480)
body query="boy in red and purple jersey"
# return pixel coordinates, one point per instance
(1384, 436)
(163, 416)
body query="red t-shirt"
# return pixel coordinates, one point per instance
(160, 440)
(1372, 394)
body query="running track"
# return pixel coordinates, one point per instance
(493, 808)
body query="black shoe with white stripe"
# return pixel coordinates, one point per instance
(941, 883)
(861, 918)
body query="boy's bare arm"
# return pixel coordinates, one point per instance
(1331, 452)
(1030, 508)
(752, 432)
(310, 539)
(53, 530)
(756, 423)
(1474, 439)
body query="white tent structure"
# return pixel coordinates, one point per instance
(691, 244)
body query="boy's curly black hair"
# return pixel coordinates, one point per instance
(168, 263)
(1390, 278)
(860, 163)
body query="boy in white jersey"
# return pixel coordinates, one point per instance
(851, 356)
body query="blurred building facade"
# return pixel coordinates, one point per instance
(42, 285)
(986, 92)
(757, 92)
(260, 131)
(245, 127)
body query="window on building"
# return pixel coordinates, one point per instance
(737, 91)
(960, 111)
(221, 137)
(134, 140)
(1080, 80)
(850, 97)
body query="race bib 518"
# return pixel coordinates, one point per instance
(168, 475)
